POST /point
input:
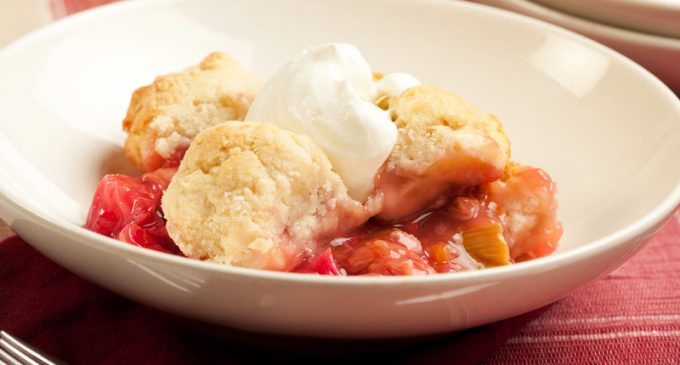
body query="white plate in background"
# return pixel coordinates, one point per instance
(659, 17)
(660, 55)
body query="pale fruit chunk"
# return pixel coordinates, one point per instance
(525, 201)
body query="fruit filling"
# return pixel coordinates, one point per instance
(509, 220)
(128, 209)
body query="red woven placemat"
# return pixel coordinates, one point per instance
(81, 323)
(631, 316)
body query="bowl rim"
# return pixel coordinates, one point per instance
(648, 222)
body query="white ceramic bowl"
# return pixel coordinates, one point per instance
(659, 54)
(606, 129)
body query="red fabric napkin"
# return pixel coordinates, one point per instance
(81, 323)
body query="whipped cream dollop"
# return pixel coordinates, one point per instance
(327, 93)
(396, 83)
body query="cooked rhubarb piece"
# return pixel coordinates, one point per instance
(153, 236)
(390, 252)
(451, 233)
(322, 264)
(449, 257)
(487, 245)
(128, 208)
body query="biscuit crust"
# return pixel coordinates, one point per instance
(444, 143)
(165, 116)
(255, 195)
(434, 123)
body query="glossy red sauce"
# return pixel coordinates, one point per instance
(465, 231)
(152, 161)
(431, 242)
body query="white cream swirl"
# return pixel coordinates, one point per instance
(327, 94)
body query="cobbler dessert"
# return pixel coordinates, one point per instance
(326, 168)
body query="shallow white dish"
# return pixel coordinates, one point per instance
(660, 17)
(606, 129)
(659, 54)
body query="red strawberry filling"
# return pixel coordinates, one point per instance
(498, 223)
(128, 208)
(323, 264)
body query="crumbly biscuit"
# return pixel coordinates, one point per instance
(434, 123)
(255, 195)
(444, 142)
(165, 116)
